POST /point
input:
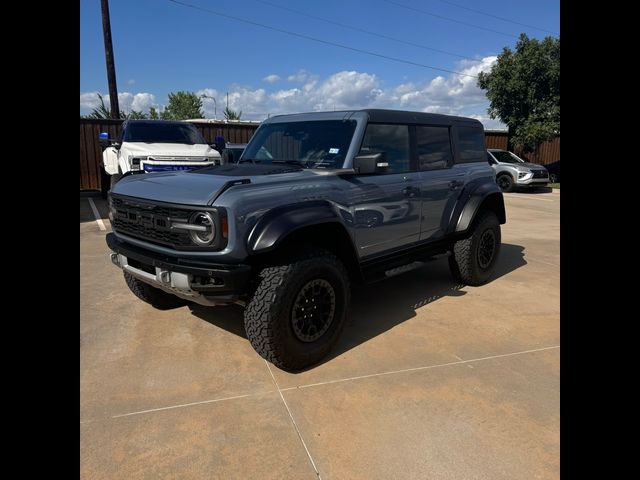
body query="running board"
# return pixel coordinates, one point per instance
(404, 268)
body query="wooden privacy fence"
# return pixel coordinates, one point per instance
(92, 175)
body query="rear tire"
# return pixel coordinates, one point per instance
(153, 296)
(275, 319)
(505, 182)
(474, 258)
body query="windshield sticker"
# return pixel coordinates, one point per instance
(334, 150)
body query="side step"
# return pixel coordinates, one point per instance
(404, 268)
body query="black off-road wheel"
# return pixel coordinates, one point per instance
(505, 182)
(473, 259)
(153, 296)
(298, 309)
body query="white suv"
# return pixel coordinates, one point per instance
(155, 146)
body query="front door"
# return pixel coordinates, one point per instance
(386, 206)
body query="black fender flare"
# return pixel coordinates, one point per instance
(474, 195)
(275, 225)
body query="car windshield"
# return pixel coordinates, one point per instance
(163, 133)
(506, 157)
(315, 144)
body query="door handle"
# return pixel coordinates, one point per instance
(453, 184)
(409, 191)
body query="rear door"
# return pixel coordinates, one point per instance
(440, 184)
(386, 205)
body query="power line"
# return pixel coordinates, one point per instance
(319, 40)
(497, 17)
(362, 30)
(450, 19)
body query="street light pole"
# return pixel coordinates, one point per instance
(215, 105)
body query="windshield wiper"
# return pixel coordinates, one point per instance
(252, 160)
(291, 162)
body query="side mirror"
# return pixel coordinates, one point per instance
(370, 163)
(104, 139)
(219, 143)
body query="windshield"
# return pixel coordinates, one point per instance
(506, 157)
(319, 144)
(163, 133)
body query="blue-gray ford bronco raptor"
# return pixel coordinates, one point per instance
(317, 201)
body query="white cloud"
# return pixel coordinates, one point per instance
(299, 76)
(273, 78)
(452, 94)
(126, 100)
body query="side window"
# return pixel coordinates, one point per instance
(471, 141)
(434, 148)
(393, 140)
(490, 159)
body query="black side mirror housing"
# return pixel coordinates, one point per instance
(370, 163)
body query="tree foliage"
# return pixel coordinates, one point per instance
(182, 106)
(523, 88)
(232, 114)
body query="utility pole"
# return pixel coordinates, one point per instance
(108, 53)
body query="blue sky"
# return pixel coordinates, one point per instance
(160, 47)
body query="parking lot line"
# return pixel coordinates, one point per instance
(421, 368)
(295, 425)
(516, 195)
(96, 214)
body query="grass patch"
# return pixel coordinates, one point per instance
(555, 185)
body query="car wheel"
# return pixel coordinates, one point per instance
(505, 182)
(153, 296)
(474, 258)
(298, 309)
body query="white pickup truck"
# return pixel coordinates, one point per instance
(155, 146)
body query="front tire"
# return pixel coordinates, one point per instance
(298, 309)
(153, 296)
(505, 182)
(474, 258)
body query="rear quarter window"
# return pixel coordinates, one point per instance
(471, 145)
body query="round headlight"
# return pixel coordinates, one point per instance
(207, 231)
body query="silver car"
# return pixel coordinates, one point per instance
(512, 172)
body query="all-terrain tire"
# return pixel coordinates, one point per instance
(153, 296)
(469, 262)
(269, 315)
(505, 182)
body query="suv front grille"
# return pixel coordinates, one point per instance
(150, 222)
(540, 174)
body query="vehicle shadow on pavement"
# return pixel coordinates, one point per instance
(381, 306)
(534, 191)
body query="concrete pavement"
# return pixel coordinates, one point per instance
(430, 379)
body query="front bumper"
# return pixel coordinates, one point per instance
(532, 182)
(201, 282)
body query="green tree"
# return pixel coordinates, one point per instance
(523, 88)
(232, 114)
(153, 114)
(182, 106)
